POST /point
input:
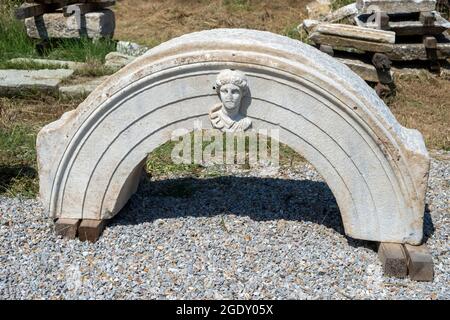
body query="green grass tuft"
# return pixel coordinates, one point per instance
(18, 174)
(237, 5)
(81, 50)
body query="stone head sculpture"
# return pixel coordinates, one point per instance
(232, 87)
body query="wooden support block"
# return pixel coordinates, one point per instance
(326, 49)
(90, 230)
(427, 19)
(383, 66)
(42, 47)
(420, 263)
(83, 8)
(393, 258)
(384, 20)
(430, 42)
(381, 61)
(29, 10)
(67, 227)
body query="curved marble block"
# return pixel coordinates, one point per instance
(90, 160)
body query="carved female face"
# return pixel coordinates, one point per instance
(231, 97)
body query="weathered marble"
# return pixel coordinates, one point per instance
(364, 70)
(91, 159)
(18, 81)
(345, 12)
(232, 88)
(395, 6)
(54, 63)
(117, 60)
(131, 48)
(341, 42)
(355, 32)
(308, 25)
(408, 27)
(100, 24)
(417, 51)
(80, 89)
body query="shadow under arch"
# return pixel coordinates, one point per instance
(259, 198)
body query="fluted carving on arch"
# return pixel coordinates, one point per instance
(376, 168)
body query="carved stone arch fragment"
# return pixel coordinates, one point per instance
(90, 160)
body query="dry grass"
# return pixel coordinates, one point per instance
(423, 102)
(21, 118)
(156, 21)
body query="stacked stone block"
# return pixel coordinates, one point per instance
(46, 19)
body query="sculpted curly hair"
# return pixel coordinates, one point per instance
(235, 77)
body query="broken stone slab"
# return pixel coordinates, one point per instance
(17, 81)
(348, 11)
(54, 63)
(131, 48)
(366, 71)
(395, 6)
(81, 89)
(417, 51)
(355, 32)
(318, 9)
(309, 25)
(415, 72)
(340, 42)
(407, 26)
(117, 60)
(94, 25)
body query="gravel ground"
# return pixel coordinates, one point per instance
(250, 235)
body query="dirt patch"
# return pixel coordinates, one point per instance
(153, 22)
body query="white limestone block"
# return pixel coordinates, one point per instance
(17, 81)
(94, 25)
(117, 60)
(73, 90)
(395, 6)
(54, 63)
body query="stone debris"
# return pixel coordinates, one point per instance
(402, 31)
(81, 89)
(18, 81)
(409, 26)
(54, 63)
(118, 60)
(131, 48)
(395, 6)
(345, 12)
(365, 70)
